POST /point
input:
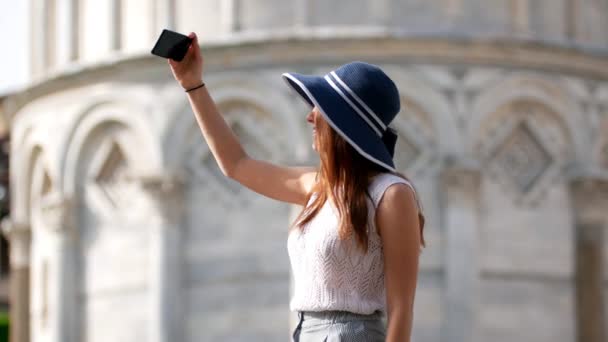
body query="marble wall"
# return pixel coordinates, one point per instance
(159, 235)
(126, 230)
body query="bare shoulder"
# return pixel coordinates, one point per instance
(396, 208)
(398, 196)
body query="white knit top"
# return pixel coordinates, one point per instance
(333, 274)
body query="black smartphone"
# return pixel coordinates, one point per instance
(171, 45)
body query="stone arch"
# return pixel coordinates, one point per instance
(102, 112)
(30, 181)
(434, 105)
(229, 90)
(32, 152)
(41, 304)
(108, 149)
(535, 89)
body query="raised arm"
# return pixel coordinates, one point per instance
(287, 184)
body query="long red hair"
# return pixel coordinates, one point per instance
(342, 167)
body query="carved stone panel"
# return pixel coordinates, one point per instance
(110, 188)
(112, 175)
(522, 158)
(525, 148)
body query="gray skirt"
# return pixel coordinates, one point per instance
(334, 326)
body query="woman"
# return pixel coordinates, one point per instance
(354, 247)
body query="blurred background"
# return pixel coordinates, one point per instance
(121, 227)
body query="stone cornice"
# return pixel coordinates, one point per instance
(334, 46)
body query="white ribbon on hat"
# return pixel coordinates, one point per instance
(354, 95)
(353, 106)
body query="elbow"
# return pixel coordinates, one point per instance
(230, 170)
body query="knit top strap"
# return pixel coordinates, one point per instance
(382, 181)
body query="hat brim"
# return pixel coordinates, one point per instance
(341, 117)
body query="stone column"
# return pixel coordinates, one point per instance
(165, 213)
(379, 12)
(59, 219)
(301, 13)
(117, 25)
(453, 8)
(230, 16)
(164, 16)
(572, 18)
(36, 41)
(589, 196)
(19, 236)
(67, 28)
(460, 206)
(520, 16)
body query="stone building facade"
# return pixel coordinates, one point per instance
(123, 229)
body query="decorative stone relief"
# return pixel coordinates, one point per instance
(56, 212)
(459, 84)
(416, 145)
(164, 198)
(112, 175)
(261, 137)
(110, 187)
(522, 158)
(524, 149)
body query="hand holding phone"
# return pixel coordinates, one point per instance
(172, 45)
(186, 65)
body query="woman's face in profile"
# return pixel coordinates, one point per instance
(314, 117)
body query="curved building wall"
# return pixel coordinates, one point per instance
(136, 235)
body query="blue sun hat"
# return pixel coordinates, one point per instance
(359, 101)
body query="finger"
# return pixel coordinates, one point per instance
(195, 46)
(172, 63)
